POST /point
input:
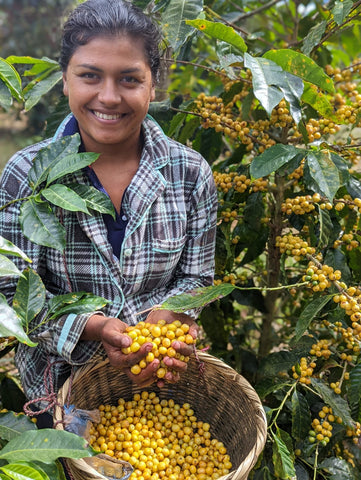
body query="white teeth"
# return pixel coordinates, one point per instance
(104, 116)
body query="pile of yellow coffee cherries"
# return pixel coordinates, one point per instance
(160, 439)
(161, 335)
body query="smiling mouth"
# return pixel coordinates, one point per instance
(104, 116)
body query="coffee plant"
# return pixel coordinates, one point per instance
(270, 94)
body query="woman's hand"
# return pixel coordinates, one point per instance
(176, 366)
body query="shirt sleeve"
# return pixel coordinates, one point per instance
(197, 263)
(59, 336)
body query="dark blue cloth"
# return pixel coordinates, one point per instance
(116, 227)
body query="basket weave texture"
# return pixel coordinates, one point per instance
(216, 392)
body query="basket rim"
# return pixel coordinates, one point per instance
(261, 425)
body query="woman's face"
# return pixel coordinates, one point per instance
(109, 85)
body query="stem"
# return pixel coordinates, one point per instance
(315, 464)
(279, 409)
(273, 269)
(13, 201)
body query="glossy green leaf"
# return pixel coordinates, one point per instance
(326, 228)
(324, 173)
(338, 404)
(311, 310)
(8, 248)
(339, 469)
(314, 97)
(8, 268)
(301, 66)
(273, 159)
(282, 459)
(200, 297)
(45, 446)
(22, 471)
(40, 225)
(301, 417)
(174, 20)
(29, 297)
(94, 199)
(6, 99)
(70, 164)
(11, 78)
(313, 37)
(277, 362)
(14, 424)
(10, 324)
(341, 9)
(63, 197)
(220, 31)
(77, 303)
(354, 391)
(34, 95)
(27, 60)
(49, 156)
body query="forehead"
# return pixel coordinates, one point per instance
(116, 48)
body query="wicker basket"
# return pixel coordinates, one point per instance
(217, 393)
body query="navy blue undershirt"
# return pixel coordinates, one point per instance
(115, 227)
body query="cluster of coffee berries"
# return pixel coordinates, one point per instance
(228, 278)
(160, 335)
(322, 427)
(348, 240)
(303, 371)
(160, 439)
(231, 180)
(320, 277)
(354, 432)
(294, 245)
(321, 349)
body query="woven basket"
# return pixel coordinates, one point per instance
(217, 393)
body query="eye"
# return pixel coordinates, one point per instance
(129, 79)
(89, 76)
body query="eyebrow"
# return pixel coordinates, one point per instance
(97, 69)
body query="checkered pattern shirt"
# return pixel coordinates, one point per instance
(168, 248)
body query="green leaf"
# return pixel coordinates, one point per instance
(174, 20)
(8, 268)
(311, 310)
(313, 37)
(200, 297)
(40, 88)
(22, 471)
(339, 468)
(29, 297)
(354, 391)
(274, 158)
(12, 425)
(271, 83)
(301, 417)
(220, 32)
(278, 362)
(95, 200)
(6, 99)
(324, 173)
(341, 9)
(318, 101)
(40, 225)
(49, 156)
(78, 303)
(282, 459)
(46, 446)
(301, 66)
(339, 405)
(10, 324)
(11, 78)
(8, 248)
(326, 228)
(70, 164)
(64, 197)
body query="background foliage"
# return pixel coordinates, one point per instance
(270, 94)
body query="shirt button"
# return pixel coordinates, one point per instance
(127, 252)
(124, 218)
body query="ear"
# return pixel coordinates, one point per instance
(65, 85)
(152, 93)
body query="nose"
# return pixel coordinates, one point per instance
(109, 92)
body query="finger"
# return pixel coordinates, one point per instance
(174, 364)
(183, 348)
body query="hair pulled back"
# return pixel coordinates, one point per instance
(95, 18)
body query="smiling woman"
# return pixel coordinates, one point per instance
(160, 241)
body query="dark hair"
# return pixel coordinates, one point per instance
(94, 18)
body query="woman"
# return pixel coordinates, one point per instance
(162, 242)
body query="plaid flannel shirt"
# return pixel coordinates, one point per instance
(168, 249)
